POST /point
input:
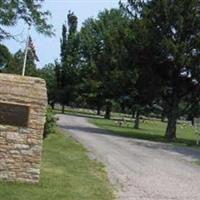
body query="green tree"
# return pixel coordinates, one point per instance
(172, 29)
(90, 48)
(5, 57)
(49, 75)
(30, 11)
(69, 60)
(16, 63)
(148, 83)
(105, 54)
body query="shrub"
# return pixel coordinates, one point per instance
(50, 124)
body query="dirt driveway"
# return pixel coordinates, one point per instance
(140, 170)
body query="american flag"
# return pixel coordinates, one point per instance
(31, 47)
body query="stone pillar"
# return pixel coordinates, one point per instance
(23, 102)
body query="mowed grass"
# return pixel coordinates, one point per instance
(149, 130)
(66, 174)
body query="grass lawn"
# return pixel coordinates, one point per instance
(150, 130)
(198, 162)
(66, 174)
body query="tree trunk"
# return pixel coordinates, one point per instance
(108, 110)
(98, 110)
(163, 117)
(172, 117)
(63, 109)
(122, 107)
(171, 129)
(192, 120)
(133, 113)
(52, 105)
(137, 120)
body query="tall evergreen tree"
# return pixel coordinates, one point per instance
(69, 59)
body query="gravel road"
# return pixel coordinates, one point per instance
(140, 170)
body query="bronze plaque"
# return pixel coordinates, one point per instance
(14, 115)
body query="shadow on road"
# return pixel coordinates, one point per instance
(187, 151)
(90, 116)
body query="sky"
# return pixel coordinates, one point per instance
(48, 49)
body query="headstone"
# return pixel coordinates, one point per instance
(23, 102)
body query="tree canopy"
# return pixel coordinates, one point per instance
(29, 11)
(172, 29)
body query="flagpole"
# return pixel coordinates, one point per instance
(26, 52)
